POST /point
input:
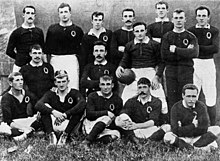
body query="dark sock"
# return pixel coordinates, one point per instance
(158, 135)
(106, 139)
(205, 139)
(15, 132)
(97, 129)
(182, 144)
(212, 114)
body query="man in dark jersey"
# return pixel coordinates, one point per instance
(17, 108)
(63, 45)
(23, 37)
(97, 32)
(93, 71)
(208, 39)
(189, 123)
(61, 109)
(101, 109)
(178, 49)
(38, 75)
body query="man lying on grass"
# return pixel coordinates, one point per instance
(61, 109)
(189, 123)
(141, 113)
(17, 108)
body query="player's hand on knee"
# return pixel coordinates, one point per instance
(155, 83)
(111, 115)
(119, 71)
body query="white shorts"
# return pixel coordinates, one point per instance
(88, 125)
(205, 78)
(26, 122)
(131, 90)
(70, 64)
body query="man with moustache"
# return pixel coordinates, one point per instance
(208, 39)
(97, 32)
(93, 71)
(141, 113)
(178, 49)
(23, 37)
(63, 45)
(38, 75)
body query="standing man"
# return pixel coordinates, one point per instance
(17, 108)
(178, 49)
(63, 45)
(189, 123)
(141, 113)
(61, 109)
(122, 36)
(102, 108)
(93, 71)
(38, 75)
(208, 39)
(162, 24)
(97, 32)
(142, 55)
(23, 37)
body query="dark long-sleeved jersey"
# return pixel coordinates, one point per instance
(142, 56)
(140, 113)
(73, 103)
(183, 55)
(208, 39)
(62, 40)
(38, 79)
(120, 37)
(184, 116)
(98, 106)
(21, 39)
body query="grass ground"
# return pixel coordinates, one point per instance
(35, 149)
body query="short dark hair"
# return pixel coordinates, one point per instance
(128, 9)
(140, 23)
(178, 10)
(202, 8)
(62, 5)
(98, 42)
(35, 46)
(144, 80)
(29, 7)
(12, 75)
(162, 2)
(96, 14)
(189, 86)
(106, 77)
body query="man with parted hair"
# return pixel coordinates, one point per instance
(61, 109)
(23, 37)
(93, 71)
(101, 109)
(63, 42)
(178, 49)
(97, 32)
(208, 39)
(189, 123)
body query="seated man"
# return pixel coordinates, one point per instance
(189, 123)
(101, 109)
(17, 109)
(38, 76)
(141, 113)
(93, 71)
(61, 109)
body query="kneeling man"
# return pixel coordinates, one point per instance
(61, 109)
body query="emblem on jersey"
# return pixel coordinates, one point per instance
(70, 100)
(149, 109)
(112, 107)
(46, 70)
(186, 42)
(106, 72)
(27, 99)
(208, 35)
(73, 33)
(105, 38)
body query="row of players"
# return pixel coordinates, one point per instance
(106, 118)
(144, 56)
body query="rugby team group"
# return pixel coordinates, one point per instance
(71, 81)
